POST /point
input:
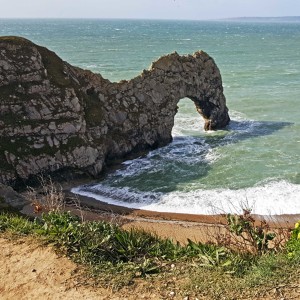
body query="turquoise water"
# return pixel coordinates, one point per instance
(255, 162)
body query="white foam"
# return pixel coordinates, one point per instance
(272, 198)
(185, 124)
(186, 150)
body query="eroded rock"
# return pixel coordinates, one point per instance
(54, 115)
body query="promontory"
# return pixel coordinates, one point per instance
(54, 116)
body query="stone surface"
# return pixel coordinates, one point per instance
(55, 116)
(11, 197)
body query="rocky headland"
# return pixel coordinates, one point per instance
(54, 116)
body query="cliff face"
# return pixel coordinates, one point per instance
(55, 116)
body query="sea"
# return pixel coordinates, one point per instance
(253, 164)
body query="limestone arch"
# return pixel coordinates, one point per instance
(156, 92)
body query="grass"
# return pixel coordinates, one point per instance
(115, 257)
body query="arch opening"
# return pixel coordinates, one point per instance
(187, 120)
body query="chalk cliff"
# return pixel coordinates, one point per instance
(55, 116)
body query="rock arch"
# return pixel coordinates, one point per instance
(55, 116)
(148, 103)
(196, 77)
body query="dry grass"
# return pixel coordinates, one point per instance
(49, 197)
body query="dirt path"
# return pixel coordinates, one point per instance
(30, 271)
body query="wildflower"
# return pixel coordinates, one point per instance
(297, 225)
(298, 236)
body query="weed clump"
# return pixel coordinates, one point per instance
(50, 198)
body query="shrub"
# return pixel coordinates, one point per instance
(246, 235)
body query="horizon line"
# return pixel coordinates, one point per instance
(147, 19)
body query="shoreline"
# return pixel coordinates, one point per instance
(199, 218)
(93, 203)
(180, 227)
(275, 198)
(177, 226)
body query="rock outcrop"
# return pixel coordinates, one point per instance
(55, 116)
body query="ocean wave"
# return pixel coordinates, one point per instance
(185, 150)
(273, 198)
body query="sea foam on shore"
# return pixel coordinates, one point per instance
(273, 198)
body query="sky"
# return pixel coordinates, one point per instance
(148, 9)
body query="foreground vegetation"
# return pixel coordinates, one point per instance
(115, 257)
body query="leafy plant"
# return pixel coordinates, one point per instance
(100, 242)
(148, 266)
(218, 258)
(221, 258)
(253, 238)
